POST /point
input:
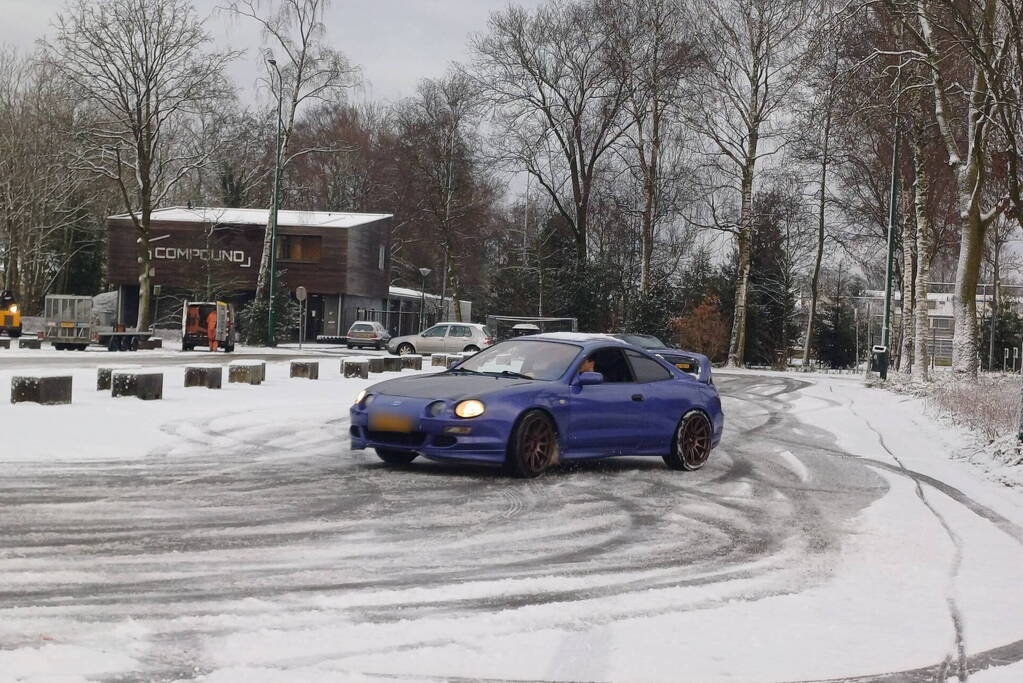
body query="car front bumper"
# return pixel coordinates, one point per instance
(446, 437)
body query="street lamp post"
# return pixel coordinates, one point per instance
(271, 323)
(422, 303)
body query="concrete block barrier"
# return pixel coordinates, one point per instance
(47, 390)
(206, 376)
(392, 363)
(30, 344)
(143, 384)
(305, 369)
(376, 364)
(439, 360)
(246, 372)
(5, 343)
(411, 362)
(355, 367)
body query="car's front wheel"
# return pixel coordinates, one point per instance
(533, 446)
(395, 457)
(405, 349)
(692, 443)
(471, 348)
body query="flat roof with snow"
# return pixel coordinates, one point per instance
(213, 215)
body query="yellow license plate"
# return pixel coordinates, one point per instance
(386, 422)
(66, 324)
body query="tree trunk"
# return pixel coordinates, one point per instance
(909, 259)
(737, 340)
(821, 206)
(964, 296)
(923, 262)
(993, 324)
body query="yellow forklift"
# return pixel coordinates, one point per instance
(10, 316)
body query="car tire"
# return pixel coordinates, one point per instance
(405, 349)
(59, 347)
(395, 458)
(471, 348)
(691, 445)
(350, 346)
(533, 446)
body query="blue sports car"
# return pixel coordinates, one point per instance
(531, 402)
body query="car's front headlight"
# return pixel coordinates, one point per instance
(470, 408)
(363, 399)
(13, 309)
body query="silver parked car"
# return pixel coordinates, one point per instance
(367, 333)
(443, 338)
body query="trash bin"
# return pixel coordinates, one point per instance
(879, 360)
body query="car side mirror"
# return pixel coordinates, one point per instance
(589, 378)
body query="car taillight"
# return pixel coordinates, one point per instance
(488, 340)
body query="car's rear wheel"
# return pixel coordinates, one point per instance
(405, 349)
(471, 348)
(692, 443)
(533, 446)
(395, 457)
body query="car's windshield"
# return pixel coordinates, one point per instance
(534, 359)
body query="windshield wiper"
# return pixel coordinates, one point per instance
(474, 372)
(517, 375)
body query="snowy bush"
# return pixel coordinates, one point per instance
(990, 406)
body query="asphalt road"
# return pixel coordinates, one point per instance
(160, 539)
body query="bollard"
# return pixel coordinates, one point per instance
(30, 344)
(207, 376)
(305, 369)
(54, 390)
(151, 344)
(392, 363)
(439, 360)
(5, 343)
(103, 378)
(376, 364)
(411, 362)
(454, 360)
(355, 367)
(143, 384)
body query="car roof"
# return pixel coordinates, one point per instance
(585, 338)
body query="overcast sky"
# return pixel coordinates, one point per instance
(396, 42)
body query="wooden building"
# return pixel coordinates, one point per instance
(342, 259)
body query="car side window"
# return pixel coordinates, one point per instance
(460, 331)
(436, 331)
(612, 364)
(647, 369)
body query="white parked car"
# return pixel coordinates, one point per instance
(443, 338)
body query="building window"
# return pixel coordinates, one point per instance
(381, 258)
(299, 248)
(941, 323)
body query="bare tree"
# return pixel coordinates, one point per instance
(750, 62)
(942, 30)
(300, 67)
(438, 128)
(45, 225)
(557, 97)
(652, 46)
(141, 71)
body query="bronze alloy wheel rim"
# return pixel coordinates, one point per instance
(694, 440)
(536, 443)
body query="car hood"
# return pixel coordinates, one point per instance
(446, 385)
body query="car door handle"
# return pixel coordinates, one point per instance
(637, 397)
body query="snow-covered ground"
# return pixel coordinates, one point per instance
(232, 535)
